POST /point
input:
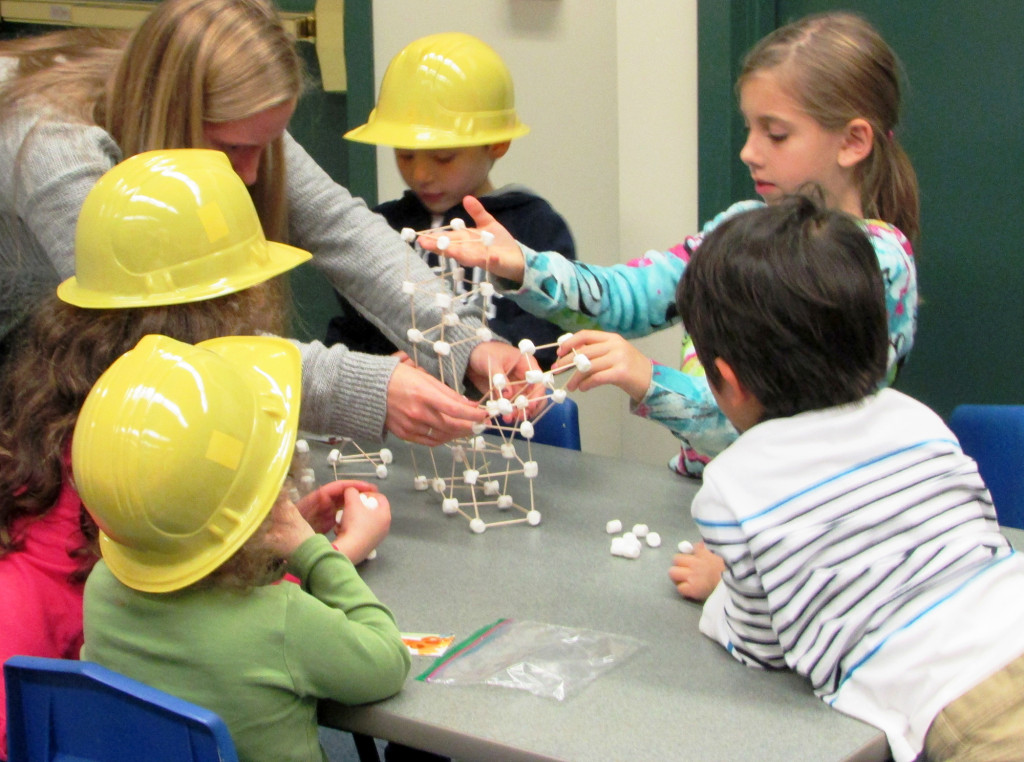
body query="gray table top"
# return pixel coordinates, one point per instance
(681, 697)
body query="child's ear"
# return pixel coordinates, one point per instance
(730, 386)
(858, 140)
(741, 407)
(497, 150)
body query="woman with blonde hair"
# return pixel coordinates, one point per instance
(220, 74)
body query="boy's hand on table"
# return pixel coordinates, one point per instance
(613, 360)
(502, 257)
(363, 524)
(696, 574)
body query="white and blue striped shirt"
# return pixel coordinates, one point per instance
(852, 536)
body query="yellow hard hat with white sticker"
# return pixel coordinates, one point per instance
(180, 451)
(168, 227)
(448, 90)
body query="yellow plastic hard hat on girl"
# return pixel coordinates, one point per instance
(168, 227)
(180, 452)
(447, 90)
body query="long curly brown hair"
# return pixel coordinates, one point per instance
(60, 354)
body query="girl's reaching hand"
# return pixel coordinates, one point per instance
(364, 522)
(613, 360)
(502, 257)
(696, 574)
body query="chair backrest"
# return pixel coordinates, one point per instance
(559, 425)
(59, 709)
(994, 436)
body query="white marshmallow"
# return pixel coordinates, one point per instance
(338, 515)
(492, 487)
(526, 429)
(442, 300)
(486, 237)
(477, 525)
(469, 476)
(450, 505)
(479, 444)
(334, 456)
(640, 530)
(301, 446)
(504, 501)
(451, 318)
(442, 348)
(458, 223)
(685, 547)
(479, 428)
(530, 469)
(558, 396)
(533, 518)
(443, 242)
(408, 235)
(382, 471)
(527, 347)
(654, 539)
(486, 289)
(484, 334)
(368, 500)
(505, 406)
(420, 483)
(371, 555)
(564, 338)
(534, 376)
(414, 335)
(521, 402)
(499, 381)
(582, 363)
(386, 456)
(613, 527)
(408, 287)
(437, 484)
(508, 450)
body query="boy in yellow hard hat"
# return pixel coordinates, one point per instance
(447, 107)
(180, 454)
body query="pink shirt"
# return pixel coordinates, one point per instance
(41, 614)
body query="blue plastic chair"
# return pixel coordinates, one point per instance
(994, 436)
(59, 709)
(559, 425)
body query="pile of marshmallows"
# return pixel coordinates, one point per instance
(628, 545)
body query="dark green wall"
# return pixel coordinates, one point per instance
(962, 126)
(320, 121)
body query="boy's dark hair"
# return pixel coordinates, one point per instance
(791, 296)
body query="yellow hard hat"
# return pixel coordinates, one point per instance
(447, 90)
(168, 227)
(180, 451)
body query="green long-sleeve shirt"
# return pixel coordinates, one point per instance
(259, 659)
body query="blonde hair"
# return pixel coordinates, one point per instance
(195, 61)
(67, 70)
(838, 67)
(189, 62)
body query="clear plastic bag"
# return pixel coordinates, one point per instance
(544, 659)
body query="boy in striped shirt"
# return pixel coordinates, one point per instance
(860, 545)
